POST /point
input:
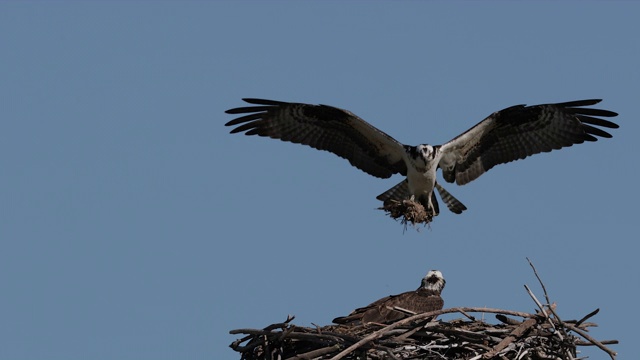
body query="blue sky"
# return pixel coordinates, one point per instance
(134, 226)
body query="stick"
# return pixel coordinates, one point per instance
(422, 316)
(544, 312)
(593, 341)
(546, 296)
(587, 317)
(544, 289)
(316, 353)
(516, 333)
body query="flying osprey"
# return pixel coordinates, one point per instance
(426, 298)
(504, 136)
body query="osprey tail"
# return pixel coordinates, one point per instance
(401, 192)
(452, 203)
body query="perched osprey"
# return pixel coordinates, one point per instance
(426, 298)
(504, 136)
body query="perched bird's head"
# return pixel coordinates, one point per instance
(433, 281)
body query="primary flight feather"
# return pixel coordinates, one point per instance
(504, 136)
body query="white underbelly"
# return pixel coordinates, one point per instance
(421, 183)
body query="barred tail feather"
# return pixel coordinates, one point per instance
(399, 192)
(452, 203)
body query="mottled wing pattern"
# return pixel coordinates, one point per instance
(382, 311)
(324, 128)
(356, 315)
(520, 131)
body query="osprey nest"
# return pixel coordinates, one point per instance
(408, 211)
(520, 336)
(515, 335)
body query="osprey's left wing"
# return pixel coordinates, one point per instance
(357, 314)
(520, 131)
(384, 310)
(324, 128)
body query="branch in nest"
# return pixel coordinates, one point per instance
(593, 341)
(546, 295)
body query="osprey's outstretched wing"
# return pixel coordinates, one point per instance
(520, 131)
(324, 128)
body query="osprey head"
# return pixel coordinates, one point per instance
(422, 155)
(433, 281)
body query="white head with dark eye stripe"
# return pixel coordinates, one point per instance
(433, 281)
(422, 155)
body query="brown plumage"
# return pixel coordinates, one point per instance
(426, 298)
(507, 135)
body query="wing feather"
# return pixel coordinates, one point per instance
(520, 131)
(599, 122)
(382, 310)
(324, 128)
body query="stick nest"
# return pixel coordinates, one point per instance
(408, 211)
(527, 336)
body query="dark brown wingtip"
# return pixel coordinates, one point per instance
(586, 102)
(245, 109)
(263, 101)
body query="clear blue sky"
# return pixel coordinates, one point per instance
(133, 226)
